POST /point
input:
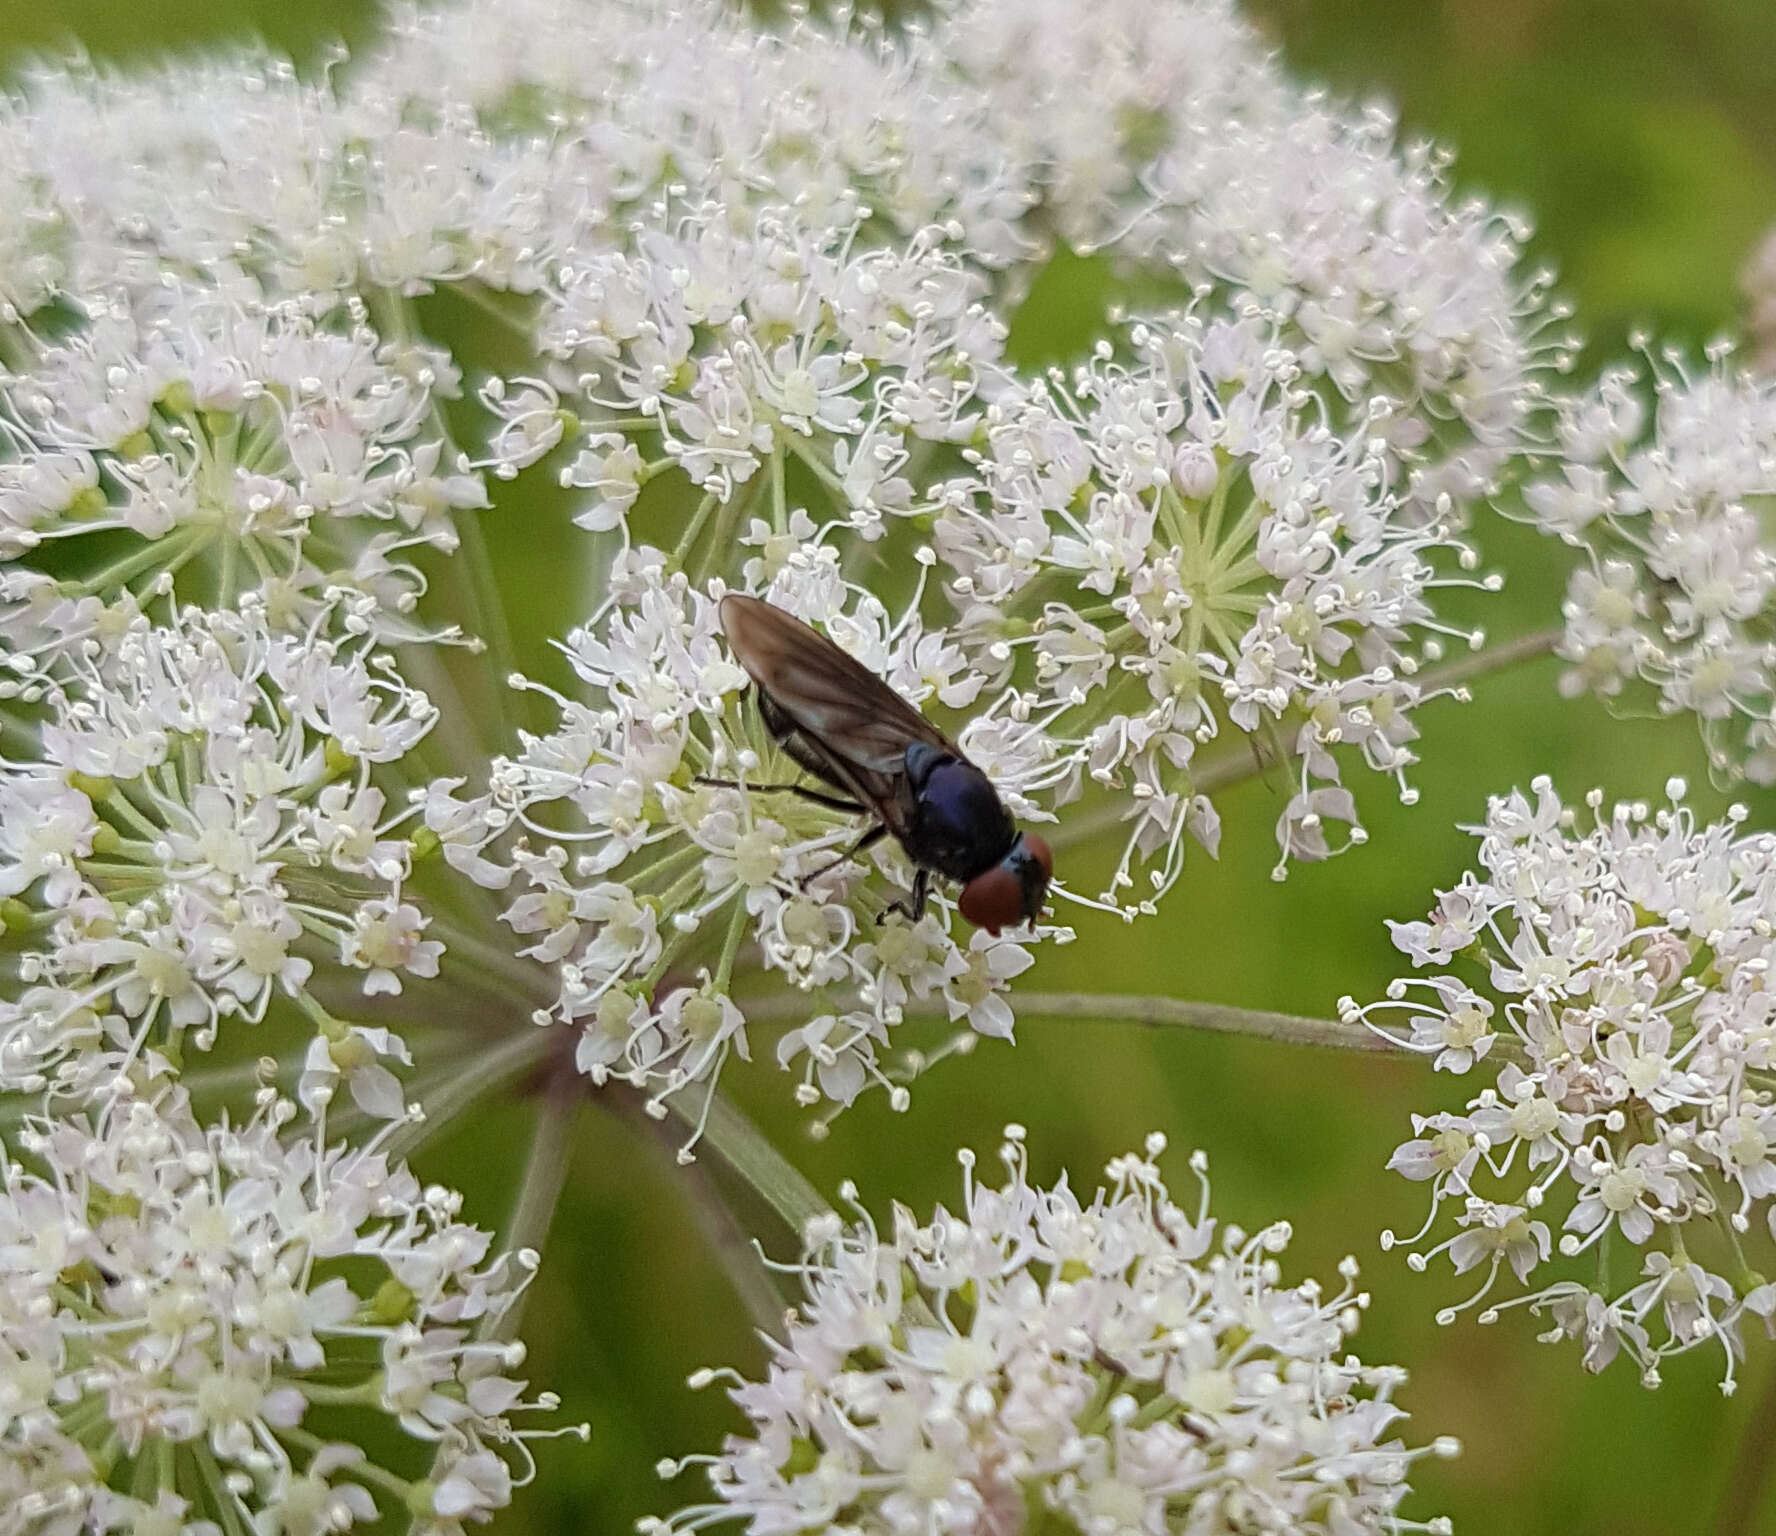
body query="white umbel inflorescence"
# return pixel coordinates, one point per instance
(1609, 980)
(1672, 607)
(1115, 1363)
(196, 1310)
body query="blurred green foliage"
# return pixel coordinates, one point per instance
(1642, 141)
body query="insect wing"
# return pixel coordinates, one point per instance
(827, 694)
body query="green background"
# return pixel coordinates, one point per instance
(1641, 138)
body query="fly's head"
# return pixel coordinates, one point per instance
(1013, 890)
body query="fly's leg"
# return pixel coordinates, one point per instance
(831, 802)
(869, 839)
(916, 910)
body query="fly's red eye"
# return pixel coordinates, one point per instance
(1012, 891)
(993, 900)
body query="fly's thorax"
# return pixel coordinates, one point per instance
(959, 826)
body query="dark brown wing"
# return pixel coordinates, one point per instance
(852, 728)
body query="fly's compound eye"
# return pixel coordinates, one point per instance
(1011, 891)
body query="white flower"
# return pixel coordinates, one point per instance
(385, 940)
(172, 1286)
(1383, 287)
(1292, 581)
(177, 828)
(679, 840)
(1617, 971)
(218, 429)
(1107, 1360)
(1674, 604)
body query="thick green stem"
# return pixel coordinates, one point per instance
(1136, 1008)
(1216, 1018)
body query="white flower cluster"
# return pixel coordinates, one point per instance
(1618, 998)
(1113, 1365)
(1380, 286)
(1010, 120)
(1181, 545)
(1673, 604)
(185, 1306)
(730, 349)
(736, 300)
(659, 854)
(757, 285)
(202, 804)
(249, 447)
(1158, 133)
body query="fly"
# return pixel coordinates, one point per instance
(854, 733)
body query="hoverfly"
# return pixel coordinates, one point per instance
(849, 729)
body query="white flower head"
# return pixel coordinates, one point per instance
(199, 801)
(1608, 980)
(1115, 1361)
(1674, 606)
(688, 844)
(181, 1295)
(1162, 552)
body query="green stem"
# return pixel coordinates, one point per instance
(1153, 1012)
(531, 983)
(227, 1506)
(453, 728)
(694, 527)
(779, 500)
(545, 1175)
(483, 1073)
(487, 612)
(737, 926)
(731, 511)
(733, 1248)
(744, 1148)
(1215, 1018)
(106, 583)
(477, 295)
(800, 447)
(1493, 659)
(365, 1394)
